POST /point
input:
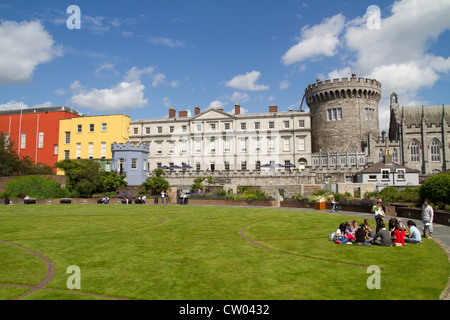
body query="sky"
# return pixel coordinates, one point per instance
(141, 58)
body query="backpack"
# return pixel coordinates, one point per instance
(332, 236)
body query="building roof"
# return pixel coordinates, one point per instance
(431, 114)
(392, 167)
(40, 110)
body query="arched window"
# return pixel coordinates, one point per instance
(435, 151)
(415, 151)
(381, 155)
(395, 155)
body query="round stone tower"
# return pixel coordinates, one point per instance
(343, 113)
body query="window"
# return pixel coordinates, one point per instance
(258, 165)
(197, 166)
(415, 151)
(134, 163)
(103, 150)
(78, 150)
(301, 123)
(286, 144)
(243, 126)
(159, 147)
(401, 175)
(395, 155)
(257, 125)
(257, 145)
(66, 154)
(243, 145)
(435, 151)
(301, 144)
(91, 128)
(198, 127)
(213, 126)
(198, 147)
(41, 140)
(183, 147)
(159, 129)
(171, 129)
(385, 174)
(144, 165)
(147, 130)
(104, 126)
(271, 145)
(286, 124)
(107, 167)
(381, 155)
(91, 150)
(334, 114)
(227, 146)
(67, 137)
(55, 149)
(183, 128)
(271, 124)
(135, 130)
(227, 126)
(227, 165)
(79, 128)
(212, 145)
(243, 165)
(171, 144)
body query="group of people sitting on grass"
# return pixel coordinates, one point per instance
(397, 235)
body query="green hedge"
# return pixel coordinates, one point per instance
(35, 187)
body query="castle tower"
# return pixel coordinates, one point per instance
(131, 161)
(343, 113)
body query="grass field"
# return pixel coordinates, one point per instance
(198, 253)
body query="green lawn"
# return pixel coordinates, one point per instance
(186, 252)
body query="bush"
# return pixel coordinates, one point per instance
(436, 188)
(35, 187)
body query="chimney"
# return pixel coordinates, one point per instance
(237, 109)
(388, 156)
(220, 109)
(197, 110)
(182, 114)
(273, 108)
(172, 113)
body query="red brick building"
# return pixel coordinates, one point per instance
(35, 131)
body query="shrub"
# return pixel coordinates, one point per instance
(436, 188)
(35, 187)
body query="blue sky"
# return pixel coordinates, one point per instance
(143, 57)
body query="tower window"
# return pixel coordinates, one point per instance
(334, 114)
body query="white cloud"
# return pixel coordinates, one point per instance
(164, 41)
(247, 82)
(167, 102)
(60, 92)
(135, 73)
(124, 96)
(13, 105)
(158, 79)
(315, 41)
(217, 104)
(239, 97)
(284, 84)
(23, 47)
(104, 69)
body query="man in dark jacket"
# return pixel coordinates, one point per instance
(383, 237)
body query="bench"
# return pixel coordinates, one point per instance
(65, 200)
(30, 201)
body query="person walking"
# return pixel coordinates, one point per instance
(162, 197)
(334, 205)
(427, 219)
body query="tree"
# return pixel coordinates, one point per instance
(83, 176)
(156, 184)
(436, 188)
(112, 181)
(13, 164)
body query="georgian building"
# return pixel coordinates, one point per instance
(214, 140)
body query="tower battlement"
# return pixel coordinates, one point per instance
(343, 89)
(129, 147)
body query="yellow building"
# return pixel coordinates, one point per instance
(91, 138)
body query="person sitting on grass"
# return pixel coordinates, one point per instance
(414, 233)
(340, 234)
(383, 236)
(368, 229)
(399, 235)
(348, 231)
(362, 236)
